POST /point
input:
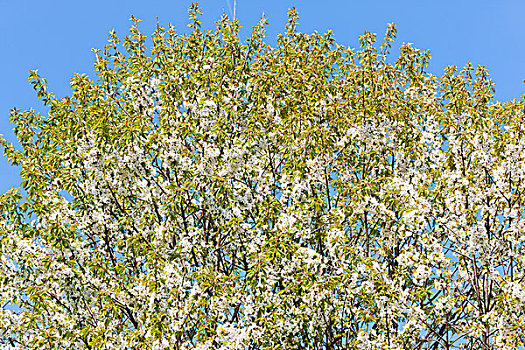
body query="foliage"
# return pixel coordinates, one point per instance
(209, 193)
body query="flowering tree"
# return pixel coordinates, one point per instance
(213, 194)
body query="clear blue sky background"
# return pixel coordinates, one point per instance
(56, 37)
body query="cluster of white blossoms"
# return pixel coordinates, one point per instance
(227, 195)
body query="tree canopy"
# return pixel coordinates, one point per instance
(212, 193)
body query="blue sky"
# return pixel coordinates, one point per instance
(56, 37)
